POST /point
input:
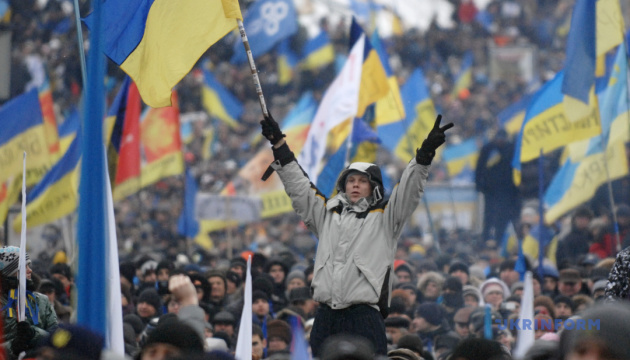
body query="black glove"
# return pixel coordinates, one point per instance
(436, 137)
(271, 130)
(24, 335)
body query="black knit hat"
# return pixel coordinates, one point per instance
(277, 261)
(151, 297)
(458, 265)
(174, 332)
(431, 312)
(258, 294)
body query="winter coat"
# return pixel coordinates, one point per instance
(46, 320)
(618, 280)
(357, 242)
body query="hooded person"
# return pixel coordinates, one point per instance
(494, 291)
(40, 318)
(358, 230)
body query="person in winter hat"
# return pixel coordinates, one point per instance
(149, 305)
(429, 323)
(358, 231)
(494, 291)
(39, 318)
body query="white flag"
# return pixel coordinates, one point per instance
(244, 341)
(526, 337)
(114, 337)
(340, 103)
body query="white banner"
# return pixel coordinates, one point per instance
(243, 209)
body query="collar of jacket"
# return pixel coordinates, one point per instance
(342, 199)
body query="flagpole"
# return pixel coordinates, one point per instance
(252, 67)
(541, 211)
(349, 143)
(611, 198)
(77, 18)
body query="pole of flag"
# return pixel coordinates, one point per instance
(92, 229)
(612, 202)
(22, 258)
(77, 19)
(252, 67)
(541, 211)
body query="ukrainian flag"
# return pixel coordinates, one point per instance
(317, 52)
(68, 130)
(158, 42)
(461, 157)
(374, 83)
(464, 77)
(578, 179)
(403, 137)
(390, 108)
(219, 102)
(511, 118)
(57, 194)
(547, 126)
(286, 62)
(23, 129)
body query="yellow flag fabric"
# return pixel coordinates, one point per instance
(176, 34)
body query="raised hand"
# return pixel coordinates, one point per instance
(435, 139)
(271, 130)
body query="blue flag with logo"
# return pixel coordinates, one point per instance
(267, 22)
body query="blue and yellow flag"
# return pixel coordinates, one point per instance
(374, 83)
(5, 12)
(390, 108)
(461, 157)
(219, 102)
(511, 118)
(267, 22)
(68, 130)
(580, 61)
(403, 137)
(286, 62)
(187, 225)
(23, 129)
(548, 126)
(578, 179)
(158, 42)
(57, 194)
(317, 52)
(464, 77)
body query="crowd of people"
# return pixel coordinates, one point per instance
(439, 294)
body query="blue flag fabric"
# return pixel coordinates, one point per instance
(580, 63)
(186, 224)
(267, 22)
(92, 232)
